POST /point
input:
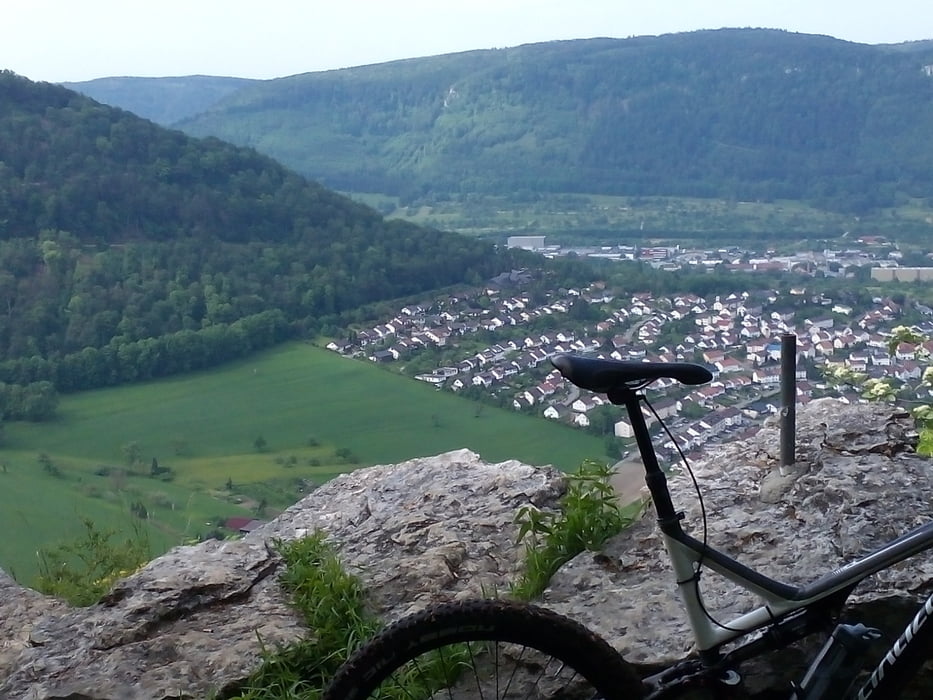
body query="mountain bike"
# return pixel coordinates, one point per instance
(501, 649)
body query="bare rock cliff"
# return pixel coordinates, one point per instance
(441, 528)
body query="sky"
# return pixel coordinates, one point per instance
(75, 40)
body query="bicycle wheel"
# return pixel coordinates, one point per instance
(485, 650)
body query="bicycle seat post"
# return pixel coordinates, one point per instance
(655, 478)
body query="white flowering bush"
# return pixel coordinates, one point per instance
(904, 334)
(924, 415)
(839, 374)
(885, 389)
(879, 390)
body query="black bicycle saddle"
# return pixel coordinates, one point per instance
(602, 376)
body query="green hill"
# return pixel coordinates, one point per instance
(129, 251)
(163, 100)
(740, 114)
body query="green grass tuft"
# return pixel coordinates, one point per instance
(83, 570)
(332, 604)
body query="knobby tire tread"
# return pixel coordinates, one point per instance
(486, 620)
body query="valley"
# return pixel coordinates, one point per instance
(592, 219)
(166, 297)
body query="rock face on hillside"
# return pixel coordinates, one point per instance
(442, 528)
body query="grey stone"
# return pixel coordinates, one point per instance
(194, 620)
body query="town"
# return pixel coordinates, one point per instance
(493, 343)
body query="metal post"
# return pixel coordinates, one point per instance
(788, 398)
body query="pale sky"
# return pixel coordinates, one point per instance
(73, 40)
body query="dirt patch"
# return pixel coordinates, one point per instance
(628, 480)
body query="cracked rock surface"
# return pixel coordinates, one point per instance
(189, 623)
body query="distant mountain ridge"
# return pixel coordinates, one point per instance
(163, 100)
(737, 113)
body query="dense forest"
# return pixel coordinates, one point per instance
(128, 251)
(731, 114)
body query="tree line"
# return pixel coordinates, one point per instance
(121, 361)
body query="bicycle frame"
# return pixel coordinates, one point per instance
(780, 600)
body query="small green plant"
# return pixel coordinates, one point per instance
(589, 515)
(82, 571)
(925, 446)
(332, 604)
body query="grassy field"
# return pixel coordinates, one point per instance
(306, 403)
(582, 219)
(563, 215)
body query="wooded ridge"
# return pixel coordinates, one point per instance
(748, 114)
(129, 251)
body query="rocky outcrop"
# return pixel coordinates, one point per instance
(441, 528)
(856, 484)
(195, 620)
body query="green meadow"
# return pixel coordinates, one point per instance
(245, 439)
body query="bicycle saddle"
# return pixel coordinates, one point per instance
(602, 376)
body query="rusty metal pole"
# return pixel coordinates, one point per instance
(788, 398)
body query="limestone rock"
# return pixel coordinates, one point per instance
(189, 623)
(184, 624)
(427, 530)
(20, 608)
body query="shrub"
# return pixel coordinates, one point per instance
(82, 571)
(589, 515)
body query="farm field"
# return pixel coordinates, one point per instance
(248, 438)
(599, 219)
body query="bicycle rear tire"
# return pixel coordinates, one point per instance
(485, 649)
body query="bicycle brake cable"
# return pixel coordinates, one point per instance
(699, 493)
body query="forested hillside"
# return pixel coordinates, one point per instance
(128, 251)
(732, 114)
